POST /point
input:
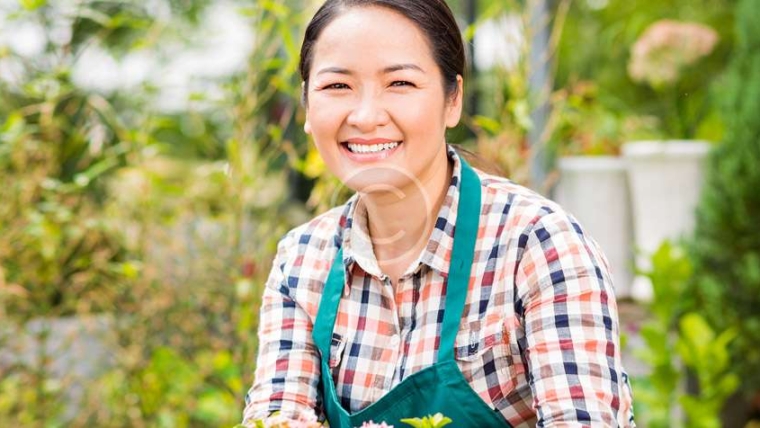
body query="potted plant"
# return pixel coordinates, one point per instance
(593, 183)
(665, 174)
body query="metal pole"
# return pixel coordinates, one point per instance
(471, 11)
(540, 83)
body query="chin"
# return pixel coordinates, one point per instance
(381, 179)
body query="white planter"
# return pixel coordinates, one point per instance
(595, 190)
(666, 180)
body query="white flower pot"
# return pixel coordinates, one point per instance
(666, 180)
(595, 190)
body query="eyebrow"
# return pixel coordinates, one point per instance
(399, 67)
(386, 70)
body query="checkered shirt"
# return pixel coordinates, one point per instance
(538, 340)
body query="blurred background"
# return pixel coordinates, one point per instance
(152, 155)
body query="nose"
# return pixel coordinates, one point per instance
(368, 113)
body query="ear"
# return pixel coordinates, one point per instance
(454, 105)
(307, 122)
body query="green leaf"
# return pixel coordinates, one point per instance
(521, 110)
(215, 406)
(32, 4)
(84, 178)
(489, 124)
(430, 421)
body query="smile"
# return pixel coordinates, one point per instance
(372, 148)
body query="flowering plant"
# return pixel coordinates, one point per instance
(661, 57)
(666, 48)
(276, 420)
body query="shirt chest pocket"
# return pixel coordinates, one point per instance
(486, 357)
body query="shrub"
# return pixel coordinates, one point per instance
(726, 246)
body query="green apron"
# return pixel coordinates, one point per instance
(440, 387)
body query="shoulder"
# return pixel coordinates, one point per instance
(304, 258)
(319, 232)
(520, 210)
(317, 237)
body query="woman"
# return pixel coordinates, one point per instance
(437, 287)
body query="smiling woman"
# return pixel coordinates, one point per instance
(389, 110)
(437, 287)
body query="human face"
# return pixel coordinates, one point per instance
(374, 81)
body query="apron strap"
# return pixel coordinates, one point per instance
(458, 283)
(324, 324)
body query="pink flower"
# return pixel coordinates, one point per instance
(666, 47)
(277, 420)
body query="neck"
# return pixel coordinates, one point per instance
(400, 227)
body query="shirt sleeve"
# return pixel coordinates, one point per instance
(571, 328)
(287, 367)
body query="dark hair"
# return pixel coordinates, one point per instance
(433, 17)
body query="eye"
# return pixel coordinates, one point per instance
(399, 83)
(336, 86)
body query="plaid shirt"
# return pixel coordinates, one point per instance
(538, 340)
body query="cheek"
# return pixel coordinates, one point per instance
(324, 115)
(423, 115)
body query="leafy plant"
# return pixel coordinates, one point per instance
(581, 123)
(57, 251)
(21, 405)
(503, 129)
(661, 58)
(706, 355)
(657, 392)
(726, 243)
(679, 342)
(614, 26)
(430, 421)
(101, 212)
(170, 390)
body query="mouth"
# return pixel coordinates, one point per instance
(371, 148)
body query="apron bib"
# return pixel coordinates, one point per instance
(440, 387)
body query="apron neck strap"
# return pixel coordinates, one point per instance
(328, 306)
(457, 284)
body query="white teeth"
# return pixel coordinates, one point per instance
(374, 148)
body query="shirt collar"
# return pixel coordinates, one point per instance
(357, 246)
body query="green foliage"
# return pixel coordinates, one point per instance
(32, 4)
(104, 208)
(657, 393)
(583, 125)
(173, 391)
(613, 26)
(676, 341)
(502, 126)
(707, 356)
(430, 421)
(21, 405)
(502, 137)
(726, 244)
(56, 249)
